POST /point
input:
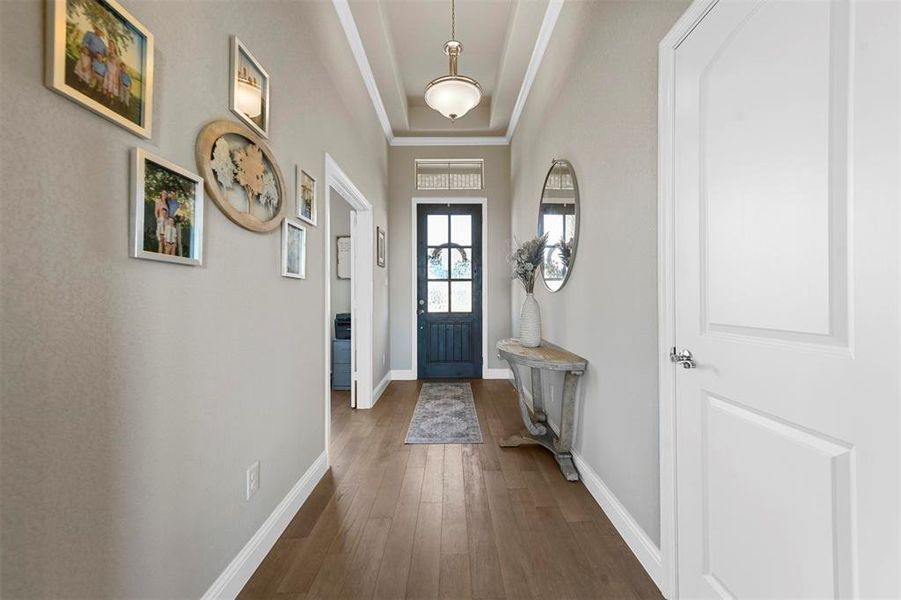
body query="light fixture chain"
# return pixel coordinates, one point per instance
(453, 20)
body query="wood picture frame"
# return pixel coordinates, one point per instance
(241, 175)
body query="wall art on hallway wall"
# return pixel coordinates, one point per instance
(249, 89)
(101, 57)
(167, 211)
(306, 197)
(294, 250)
(241, 175)
(381, 246)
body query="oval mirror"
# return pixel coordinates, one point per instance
(558, 217)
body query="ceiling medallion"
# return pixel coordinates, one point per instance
(453, 95)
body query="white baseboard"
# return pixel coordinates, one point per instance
(498, 374)
(644, 549)
(239, 570)
(403, 375)
(380, 388)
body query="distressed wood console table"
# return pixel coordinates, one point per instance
(548, 357)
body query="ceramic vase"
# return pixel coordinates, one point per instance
(530, 323)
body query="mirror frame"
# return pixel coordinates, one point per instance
(578, 200)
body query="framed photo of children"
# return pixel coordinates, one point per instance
(294, 250)
(167, 211)
(249, 92)
(101, 57)
(306, 197)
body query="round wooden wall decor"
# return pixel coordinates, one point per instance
(241, 175)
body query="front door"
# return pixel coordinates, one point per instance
(786, 151)
(449, 290)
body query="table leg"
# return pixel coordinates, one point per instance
(534, 428)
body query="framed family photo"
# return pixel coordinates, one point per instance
(166, 210)
(306, 197)
(101, 57)
(294, 250)
(249, 90)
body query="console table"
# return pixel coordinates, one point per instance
(547, 357)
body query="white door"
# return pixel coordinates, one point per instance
(786, 186)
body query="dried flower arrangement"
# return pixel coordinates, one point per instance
(526, 259)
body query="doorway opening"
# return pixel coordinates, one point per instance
(348, 239)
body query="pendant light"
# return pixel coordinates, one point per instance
(453, 95)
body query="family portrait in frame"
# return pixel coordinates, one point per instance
(101, 57)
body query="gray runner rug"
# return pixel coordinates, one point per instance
(445, 414)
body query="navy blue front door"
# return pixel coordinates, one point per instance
(449, 290)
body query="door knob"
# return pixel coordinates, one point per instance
(684, 358)
(421, 302)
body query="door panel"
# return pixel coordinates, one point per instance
(449, 290)
(786, 152)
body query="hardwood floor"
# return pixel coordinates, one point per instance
(394, 521)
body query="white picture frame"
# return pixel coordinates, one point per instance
(188, 200)
(242, 83)
(305, 196)
(89, 89)
(294, 250)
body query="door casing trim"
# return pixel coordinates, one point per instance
(414, 346)
(666, 297)
(361, 289)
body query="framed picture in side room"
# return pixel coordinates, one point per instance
(249, 89)
(343, 256)
(306, 197)
(166, 211)
(99, 56)
(294, 250)
(381, 246)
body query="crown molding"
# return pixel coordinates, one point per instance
(495, 140)
(541, 43)
(345, 16)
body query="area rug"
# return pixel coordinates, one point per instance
(445, 414)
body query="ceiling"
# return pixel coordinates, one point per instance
(404, 41)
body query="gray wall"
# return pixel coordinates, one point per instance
(136, 393)
(339, 224)
(496, 185)
(594, 102)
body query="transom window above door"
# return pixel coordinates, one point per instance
(441, 174)
(449, 252)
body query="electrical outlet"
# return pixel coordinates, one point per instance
(253, 480)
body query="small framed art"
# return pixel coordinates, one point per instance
(167, 211)
(249, 91)
(294, 250)
(306, 197)
(343, 256)
(101, 57)
(381, 246)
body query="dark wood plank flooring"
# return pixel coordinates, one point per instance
(393, 521)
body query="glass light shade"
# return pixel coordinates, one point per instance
(453, 95)
(249, 99)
